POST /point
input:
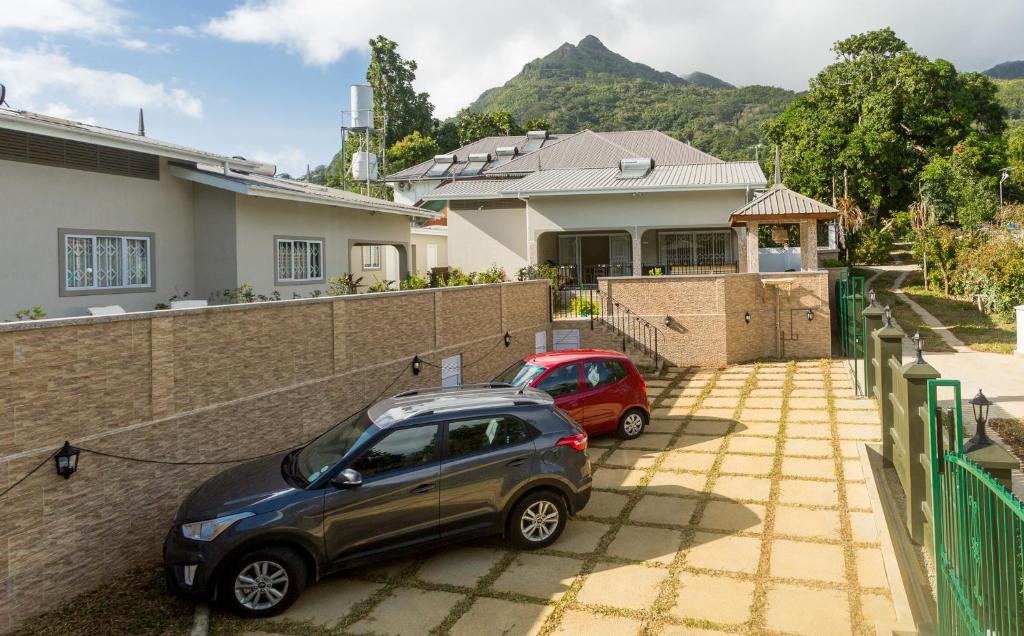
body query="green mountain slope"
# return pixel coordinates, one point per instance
(589, 86)
(1006, 70)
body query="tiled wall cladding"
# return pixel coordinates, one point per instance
(202, 385)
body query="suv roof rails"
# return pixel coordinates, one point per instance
(461, 387)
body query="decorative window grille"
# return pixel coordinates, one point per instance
(371, 257)
(299, 259)
(107, 262)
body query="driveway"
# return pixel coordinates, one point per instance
(742, 509)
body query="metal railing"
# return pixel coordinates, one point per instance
(706, 265)
(596, 306)
(573, 276)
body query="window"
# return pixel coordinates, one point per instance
(695, 248)
(98, 261)
(520, 374)
(561, 381)
(300, 259)
(451, 371)
(472, 436)
(403, 448)
(600, 373)
(371, 257)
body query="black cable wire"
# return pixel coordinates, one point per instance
(474, 362)
(27, 475)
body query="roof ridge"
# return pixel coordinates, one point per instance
(629, 153)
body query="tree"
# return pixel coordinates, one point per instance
(472, 126)
(411, 150)
(391, 77)
(881, 112)
(962, 188)
(447, 135)
(940, 244)
(537, 123)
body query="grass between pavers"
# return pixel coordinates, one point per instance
(134, 604)
(981, 332)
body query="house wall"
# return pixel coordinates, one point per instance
(37, 200)
(420, 241)
(216, 242)
(202, 385)
(478, 239)
(260, 220)
(708, 325)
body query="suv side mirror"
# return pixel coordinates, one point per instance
(348, 478)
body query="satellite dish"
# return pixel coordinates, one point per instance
(3, 93)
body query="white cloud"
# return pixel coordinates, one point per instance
(183, 31)
(464, 48)
(36, 74)
(82, 17)
(289, 159)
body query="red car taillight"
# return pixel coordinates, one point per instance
(576, 442)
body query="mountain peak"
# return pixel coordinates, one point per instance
(1006, 70)
(591, 42)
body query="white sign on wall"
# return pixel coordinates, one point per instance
(540, 342)
(563, 339)
(451, 371)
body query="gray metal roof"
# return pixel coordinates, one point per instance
(488, 145)
(277, 188)
(779, 202)
(589, 149)
(707, 176)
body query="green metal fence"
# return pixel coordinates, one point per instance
(978, 530)
(852, 327)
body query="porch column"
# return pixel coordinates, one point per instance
(531, 250)
(753, 256)
(809, 245)
(637, 252)
(741, 249)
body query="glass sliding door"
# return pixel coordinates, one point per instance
(696, 252)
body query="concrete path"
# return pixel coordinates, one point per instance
(743, 508)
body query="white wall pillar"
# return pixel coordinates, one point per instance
(1020, 330)
(753, 256)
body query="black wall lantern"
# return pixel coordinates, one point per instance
(810, 315)
(746, 317)
(980, 404)
(417, 365)
(508, 339)
(67, 460)
(668, 321)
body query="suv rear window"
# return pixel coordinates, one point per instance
(472, 436)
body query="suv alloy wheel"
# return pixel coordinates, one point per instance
(537, 520)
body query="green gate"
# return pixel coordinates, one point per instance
(852, 327)
(978, 528)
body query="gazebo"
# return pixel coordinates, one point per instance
(781, 206)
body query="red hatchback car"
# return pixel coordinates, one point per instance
(601, 390)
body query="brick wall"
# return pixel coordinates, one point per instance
(708, 326)
(204, 385)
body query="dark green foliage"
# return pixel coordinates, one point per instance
(391, 77)
(871, 246)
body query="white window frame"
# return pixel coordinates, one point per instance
(124, 261)
(374, 261)
(293, 241)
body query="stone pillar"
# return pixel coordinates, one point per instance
(873, 322)
(809, 245)
(916, 374)
(888, 345)
(753, 256)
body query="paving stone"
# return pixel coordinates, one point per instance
(734, 487)
(652, 441)
(860, 432)
(730, 515)
(871, 568)
(605, 504)
(618, 478)
(877, 608)
(810, 561)
(460, 565)
(494, 616)
(820, 430)
(764, 402)
(798, 392)
(857, 497)
(808, 447)
(626, 586)
(757, 429)
(802, 610)
(708, 427)
(808, 403)
(864, 527)
(580, 536)
(645, 544)
(389, 569)
(731, 383)
(682, 460)
(764, 392)
(725, 393)
(659, 383)
(800, 467)
(702, 443)
(759, 445)
(670, 483)
(809, 384)
(862, 404)
(669, 426)
(575, 622)
(713, 598)
(760, 415)
(850, 449)
(719, 402)
(690, 391)
(804, 522)
(602, 441)
(631, 458)
(407, 611)
(853, 470)
(806, 415)
(730, 553)
(326, 603)
(722, 414)
(538, 575)
(671, 412)
(679, 402)
(857, 417)
(808, 493)
(666, 510)
(770, 384)
(747, 464)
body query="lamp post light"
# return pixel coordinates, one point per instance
(67, 460)
(980, 405)
(917, 347)
(888, 317)
(872, 298)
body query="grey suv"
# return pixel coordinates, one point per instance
(417, 470)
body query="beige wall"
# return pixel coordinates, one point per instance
(478, 239)
(216, 245)
(37, 200)
(202, 385)
(420, 241)
(708, 325)
(261, 219)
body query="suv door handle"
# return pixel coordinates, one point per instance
(422, 488)
(519, 461)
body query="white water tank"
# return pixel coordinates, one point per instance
(364, 166)
(362, 106)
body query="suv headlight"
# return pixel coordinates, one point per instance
(210, 529)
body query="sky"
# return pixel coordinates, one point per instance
(268, 79)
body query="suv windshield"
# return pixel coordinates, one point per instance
(323, 453)
(520, 374)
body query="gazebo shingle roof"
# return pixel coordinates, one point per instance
(778, 204)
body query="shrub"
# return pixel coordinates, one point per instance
(381, 286)
(456, 278)
(993, 267)
(871, 246)
(655, 271)
(415, 282)
(343, 285)
(493, 274)
(583, 307)
(244, 294)
(30, 313)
